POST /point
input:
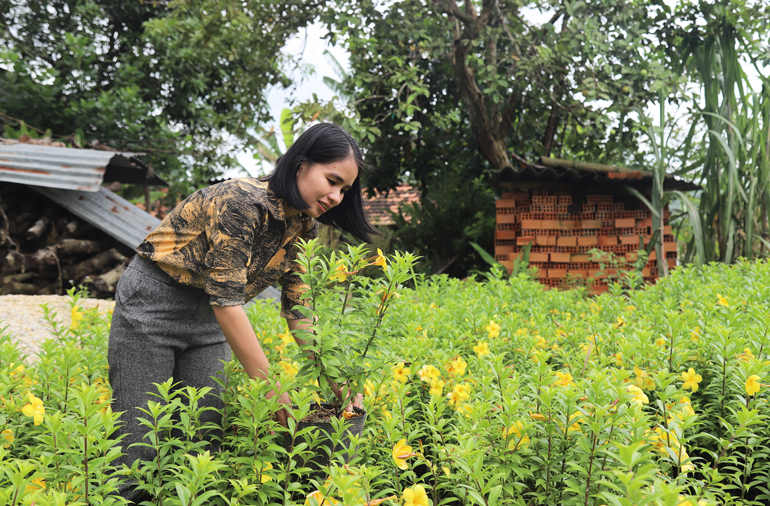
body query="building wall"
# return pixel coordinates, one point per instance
(577, 238)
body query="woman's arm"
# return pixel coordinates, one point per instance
(240, 336)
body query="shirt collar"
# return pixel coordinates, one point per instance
(275, 206)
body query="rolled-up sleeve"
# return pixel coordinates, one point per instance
(232, 226)
(292, 287)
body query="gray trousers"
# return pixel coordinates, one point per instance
(160, 329)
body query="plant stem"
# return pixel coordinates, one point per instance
(590, 468)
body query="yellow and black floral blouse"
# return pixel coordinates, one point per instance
(232, 240)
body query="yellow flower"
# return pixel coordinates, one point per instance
(401, 373)
(722, 300)
(36, 484)
(565, 379)
(630, 308)
(289, 368)
(401, 452)
(457, 367)
(541, 342)
(639, 396)
(436, 387)
(643, 380)
(76, 317)
(746, 356)
(34, 409)
(695, 334)
(428, 373)
(459, 394)
(538, 416)
(517, 436)
(691, 379)
(416, 496)
(481, 348)
(8, 435)
(660, 342)
(574, 426)
(618, 358)
(752, 384)
(317, 498)
(493, 329)
(380, 260)
(264, 478)
(339, 274)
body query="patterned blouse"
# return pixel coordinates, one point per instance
(232, 240)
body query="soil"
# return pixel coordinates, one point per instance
(323, 415)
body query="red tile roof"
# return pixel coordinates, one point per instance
(377, 208)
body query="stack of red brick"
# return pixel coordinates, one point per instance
(564, 227)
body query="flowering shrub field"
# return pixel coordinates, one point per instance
(497, 392)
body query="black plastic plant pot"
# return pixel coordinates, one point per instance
(319, 459)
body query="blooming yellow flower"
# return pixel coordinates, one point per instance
(36, 484)
(401, 452)
(538, 416)
(428, 373)
(459, 394)
(493, 329)
(264, 466)
(746, 356)
(630, 308)
(380, 260)
(691, 379)
(289, 368)
(34, 408)
(752, 384)
(416, 496)
(722, 301)
(436, 387)
(695, 334)
(316, 498)
(8, 435)
(339, 274)
(618, 358)
(643, 379)
(457, 367)
(639, 396)
(401, 373)
(481, 348)
(565, 379)
(76, 316)
(660, 342)
(517, 436)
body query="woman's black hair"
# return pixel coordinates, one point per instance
(324, 143)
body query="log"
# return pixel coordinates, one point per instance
(107, 281)
(16, 261)
(78, 247)
(40, 226)
(72, 226)
(53, 236)
(49, 290)
(98, 263)
(21, 288)
(18, 278)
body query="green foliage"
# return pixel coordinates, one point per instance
(502, 393)
(177, 80)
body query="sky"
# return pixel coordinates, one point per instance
(310, 45)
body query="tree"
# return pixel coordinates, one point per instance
(182, 81)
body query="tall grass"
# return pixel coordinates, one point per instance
(734, 154)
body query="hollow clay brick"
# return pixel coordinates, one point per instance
(625, 223)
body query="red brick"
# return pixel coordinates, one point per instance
(607, 240)
(521, 241)
(566, 241)
(545, 240)
(583, 257)
(625, 223)
(507, 218)
(557, 273)
(560, 257)
(590, 240)
(531, 224)
(569, 224)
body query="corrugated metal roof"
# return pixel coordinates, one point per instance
(107, 211)
(54, 167)
(568, 175)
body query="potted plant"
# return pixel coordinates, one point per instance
(341, 347)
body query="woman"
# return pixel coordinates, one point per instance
(178, 305)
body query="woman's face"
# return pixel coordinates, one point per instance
(322, 186)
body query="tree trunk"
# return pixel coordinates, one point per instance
(107, 281)
(40, 226)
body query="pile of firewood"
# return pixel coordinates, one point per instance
(45, 249)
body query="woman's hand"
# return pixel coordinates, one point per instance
(282, 415)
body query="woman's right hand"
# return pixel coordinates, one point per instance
(282, 415)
